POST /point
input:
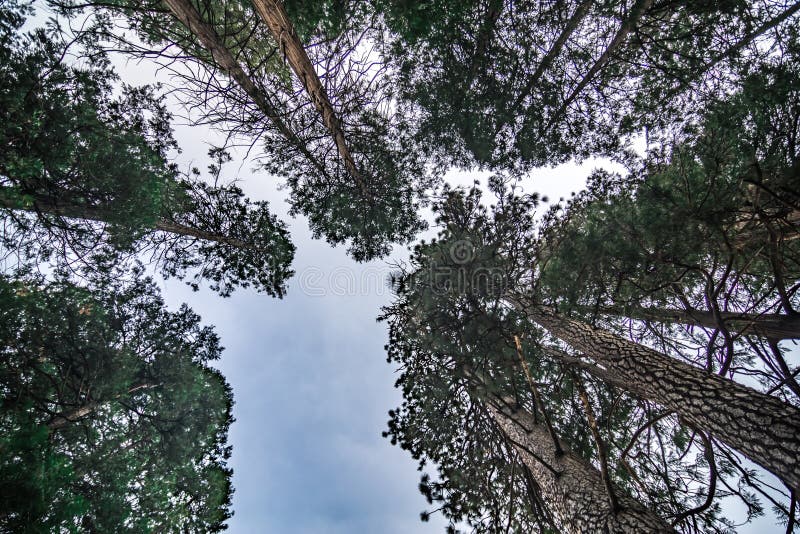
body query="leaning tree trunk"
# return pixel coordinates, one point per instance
(775, 326)
(282, 29)
(762, 427)
(572, 488)
(188, 15)
(42, 204)
(60, 421)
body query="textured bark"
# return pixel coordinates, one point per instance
(188, 15)
(277, 20)
(71, 416)
(636, 13)
(762, 427)
(770, 325)
(576, 495)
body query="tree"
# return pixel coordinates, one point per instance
(86, 174)
(701, 232)
(524, 84)
(112, 419)
(277, 19)
(464, 298)
(762, 427)
(351, 171)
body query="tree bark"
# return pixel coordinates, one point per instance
(71, 416)
(575, 494)
(188, 15)
(282, 29)
(762, 427)
(776, 326)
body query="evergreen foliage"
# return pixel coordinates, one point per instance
(85, 174)
(112, 419)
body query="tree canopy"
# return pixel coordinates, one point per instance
(455, 320)
(85, 174)
(112, 418)
(617, 363)
(503, 84)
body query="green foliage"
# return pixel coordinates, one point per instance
(85, 174)
(523, 84)
(299, 149)
(326, 18)
(451, 333)
(707, 223)
(112, 419)
(66, 137)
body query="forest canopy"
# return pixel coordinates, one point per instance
(622, 361)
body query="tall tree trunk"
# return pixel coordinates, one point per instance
(277, 20)
(188, 15)
(762, 427)
(770, 325)
(636, 13)
(575, 493)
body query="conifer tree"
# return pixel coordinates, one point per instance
(467, 291)
(505, 84)
(112, 419)
(347, 158)
(85, 174)
(698, 243)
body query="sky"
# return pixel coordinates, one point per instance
(311, 384)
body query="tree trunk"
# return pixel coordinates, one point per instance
(60, 421)
(92, 213)
(277, 20)
(575, 494)
(769, 325)
(71, 416)
(187, 231)
(762, 427)
(188, 15)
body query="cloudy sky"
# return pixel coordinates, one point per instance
(309, 374)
